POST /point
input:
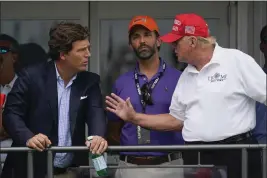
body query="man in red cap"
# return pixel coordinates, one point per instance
(214, 100)
(150, 89)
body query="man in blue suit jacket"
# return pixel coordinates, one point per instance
(50, 104)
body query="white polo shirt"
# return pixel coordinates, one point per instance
(218, 101)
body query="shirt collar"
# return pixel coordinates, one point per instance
(10, 85)
(59, 77)
(159, 70)
(214, 60)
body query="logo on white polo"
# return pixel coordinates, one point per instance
(217, 77)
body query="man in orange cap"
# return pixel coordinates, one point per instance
(150, 89)
(214, 100)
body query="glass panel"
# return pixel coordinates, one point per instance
(29, 31)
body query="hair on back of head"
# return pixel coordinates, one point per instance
(63, 35)
(14, 43)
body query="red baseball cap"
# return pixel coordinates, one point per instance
(145, 21)
(187, 25)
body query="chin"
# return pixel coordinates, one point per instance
(181, 60)
(81, 69)
(144, 59)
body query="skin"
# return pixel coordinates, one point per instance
(7, 73)
(145, 45)
(187, 49)
(69, 65)
(74, 61)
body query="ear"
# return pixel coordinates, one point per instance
(62, 56)
(193, 41)
(158, 42)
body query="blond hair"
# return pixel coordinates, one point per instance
(205, 42)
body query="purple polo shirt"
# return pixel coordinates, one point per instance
(161, 94)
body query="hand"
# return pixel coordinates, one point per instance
(98, 145)
(121, 108)
(39, 142)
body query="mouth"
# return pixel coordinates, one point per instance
(85, 63)
(143, 48)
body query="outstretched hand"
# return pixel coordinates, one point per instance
(123, 109)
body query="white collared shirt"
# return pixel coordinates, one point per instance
(63, 160)
(7, 88)
(218, 101)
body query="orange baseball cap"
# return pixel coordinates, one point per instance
(145, 21)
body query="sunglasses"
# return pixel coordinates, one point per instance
(146, 94)
(4, 50)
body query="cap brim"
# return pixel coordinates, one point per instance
(170, 37)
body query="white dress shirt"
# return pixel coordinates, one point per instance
(7, 142)
(63, 160)
(7, 88)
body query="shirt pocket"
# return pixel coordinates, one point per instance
(217, 86)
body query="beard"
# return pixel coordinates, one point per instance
(145, 54)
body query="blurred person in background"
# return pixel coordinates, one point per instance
(31, 54)
(150, 86)
(9, 48)
(260, 131)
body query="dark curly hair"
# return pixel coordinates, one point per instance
(63, 35)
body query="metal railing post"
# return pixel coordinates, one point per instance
(264, 163)
(30, 164)
(50, 171)
(244, 163)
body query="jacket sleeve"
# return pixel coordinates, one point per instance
(96, 117)
(16, 108)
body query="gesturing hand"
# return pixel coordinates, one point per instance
(123, 109)
(39, 142)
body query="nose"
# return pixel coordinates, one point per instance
(88, 53)
(142, 40)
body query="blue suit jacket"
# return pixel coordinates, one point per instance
(260, 131)
(32, 108)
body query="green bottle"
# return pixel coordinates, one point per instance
(99, 162)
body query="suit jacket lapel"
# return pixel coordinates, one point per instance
(51, 90)
(75, 95)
